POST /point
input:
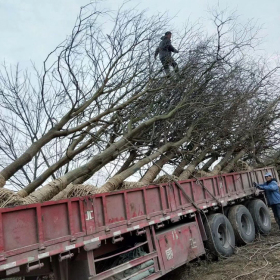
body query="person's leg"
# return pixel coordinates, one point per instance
(276, 212)
(174, 65)
(165, 63)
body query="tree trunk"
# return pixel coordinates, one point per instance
(87, 176)
(230, 165)
(47, 192)
(127, 163)
(70, 154)
(115, 181)
(191, 167)
(2, 181)
(63, 193)
(45, 175)
(218, 167)
(50, 190)
(154, 170)
(27, 156)
(208, 164)
(180, 168)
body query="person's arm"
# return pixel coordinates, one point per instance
(258, 186)
(272, 186)
(166, 45)
(172, 49)
(156, 52)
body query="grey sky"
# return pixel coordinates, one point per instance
(30, 29)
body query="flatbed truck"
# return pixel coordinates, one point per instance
(139, 233)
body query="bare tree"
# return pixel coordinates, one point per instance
(101, 101)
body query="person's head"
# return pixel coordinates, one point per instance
(168, 34)
(268, 176)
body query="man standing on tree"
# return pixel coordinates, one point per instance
(272, 195)
(164, 50)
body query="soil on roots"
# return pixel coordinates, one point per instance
(259, 260)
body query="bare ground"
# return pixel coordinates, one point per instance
(259, 260)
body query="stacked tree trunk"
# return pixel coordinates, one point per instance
(102, 105)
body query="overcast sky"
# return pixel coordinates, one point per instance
(30, 29)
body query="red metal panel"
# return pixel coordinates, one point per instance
(136, 204)
(164, 197)
(259, 175)
(275, 174)
(76, 217)
(55, 221)
(127, 209)
(229, 184)
(40, 226)
(115, 208)
(99, 212)
(180, 197)
(246, 181)
(169, 194)
(20, 229)
(81, 208)
(1, 238)
(88, 215)
(196, 247)
(238, 181)
(154, 200)
(151, 247)
(211, 185)
(70, 218)
(198, 192)
(179, 245)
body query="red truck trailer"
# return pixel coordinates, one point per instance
(140, 233)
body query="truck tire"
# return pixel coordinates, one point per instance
(242, 224)
(260, 215)
(246, 203)
(225, 211)
(221, 239)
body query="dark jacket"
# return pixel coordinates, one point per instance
(165, 48)
(271, 191)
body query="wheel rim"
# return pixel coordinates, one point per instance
(263, 217)
(246, 225)
(224, 236)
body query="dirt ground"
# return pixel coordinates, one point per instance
(259, 260)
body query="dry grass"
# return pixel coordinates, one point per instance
(166, 179)
(9, 197)
(81, 190)
(131, 185)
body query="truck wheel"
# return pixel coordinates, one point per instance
(242, 223)
(221, 240)
(260, 215)
(225, 211)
